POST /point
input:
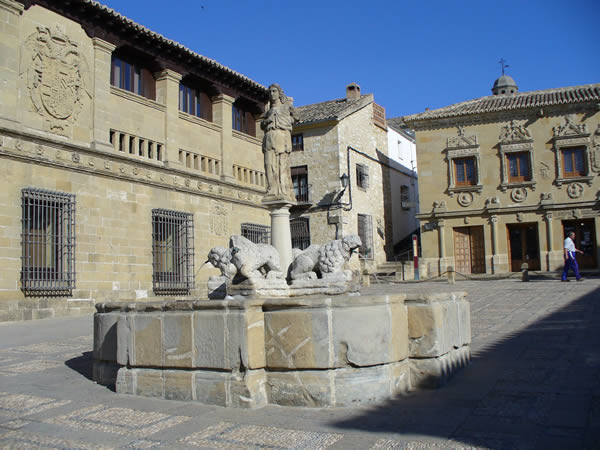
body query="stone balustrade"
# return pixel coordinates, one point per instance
(136, 146)
(249, 176)
(310, 351)
(204, 164)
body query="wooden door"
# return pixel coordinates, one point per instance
(462, 250)
(523, 246)
(585, 240)
(477, 250)
(469, 250)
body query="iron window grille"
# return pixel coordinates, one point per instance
(300, 229)
(297, 142)
(47, 242)
(362, 176)
(365, 232)
(259, 234)
(172, 252)
(300, 183)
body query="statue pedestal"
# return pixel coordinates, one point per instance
(281, 236)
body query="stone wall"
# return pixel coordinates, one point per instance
(338, 351)
(325, 150)
(545, 202)
(120, 154)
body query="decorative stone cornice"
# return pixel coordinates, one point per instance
(168, 75)
(54, 153)
(102, 45)
(12, 7)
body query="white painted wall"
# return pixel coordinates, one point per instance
(403, 157)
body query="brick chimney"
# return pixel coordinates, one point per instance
(352, 91)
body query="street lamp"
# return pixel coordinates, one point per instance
(344, 179)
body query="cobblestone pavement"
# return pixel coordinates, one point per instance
(534, 382)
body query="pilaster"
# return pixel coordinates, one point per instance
(101, 101)
(167, 93)
(494, 233)
(442, 245)
(222, 113)
(10, 18)
(549, 232)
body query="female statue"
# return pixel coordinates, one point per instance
(277, 145)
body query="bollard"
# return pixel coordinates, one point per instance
(525, 271)
(366, 278)
(451, 275)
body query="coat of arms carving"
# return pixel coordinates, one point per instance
(595, 151)
(57, 76)
(514, 132)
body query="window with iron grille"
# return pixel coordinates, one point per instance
(362, 176)
(300, 230)
(297, 143)
(300, 182)
(48, 242)
(172, 252)
(365, 232)
(259, 234)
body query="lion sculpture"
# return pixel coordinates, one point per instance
(327, 260)
(245, 259)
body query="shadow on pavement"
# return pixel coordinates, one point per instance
(81, 364)
(536, 388)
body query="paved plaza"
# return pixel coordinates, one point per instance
(534, 382)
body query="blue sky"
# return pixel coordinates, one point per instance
(410, 55)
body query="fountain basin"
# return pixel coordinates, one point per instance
(302, 351)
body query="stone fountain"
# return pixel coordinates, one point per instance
(281, 327)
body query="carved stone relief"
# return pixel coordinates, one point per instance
(546, 197)
(439, 206)
(462, 140)
(520, 217)
(544, 170)
(75, 157)
(569, 128)
(465, 198)
(575, 190)
(514, 132)
(595, 151)
(492, 202)
(219, 213)
(519, 194)
(57, 76)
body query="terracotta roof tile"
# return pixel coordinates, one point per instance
(160, 38)
(330, 110)
(520, 100)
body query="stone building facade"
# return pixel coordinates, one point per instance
(331, 139)
(503, 178)
(124, 158)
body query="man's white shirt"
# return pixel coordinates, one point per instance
(569, 244)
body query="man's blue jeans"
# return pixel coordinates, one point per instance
(571, 263)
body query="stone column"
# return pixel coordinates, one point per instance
(101, 101)
(222, 114)
(442, 245)
(495, 257)
(10, 15)
(549, 232)
(281, 235)
(167, 93)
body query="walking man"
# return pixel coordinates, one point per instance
(570, 261)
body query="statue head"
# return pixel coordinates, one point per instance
(275, 92)
(351, 242)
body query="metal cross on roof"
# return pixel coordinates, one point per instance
(502, 63)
